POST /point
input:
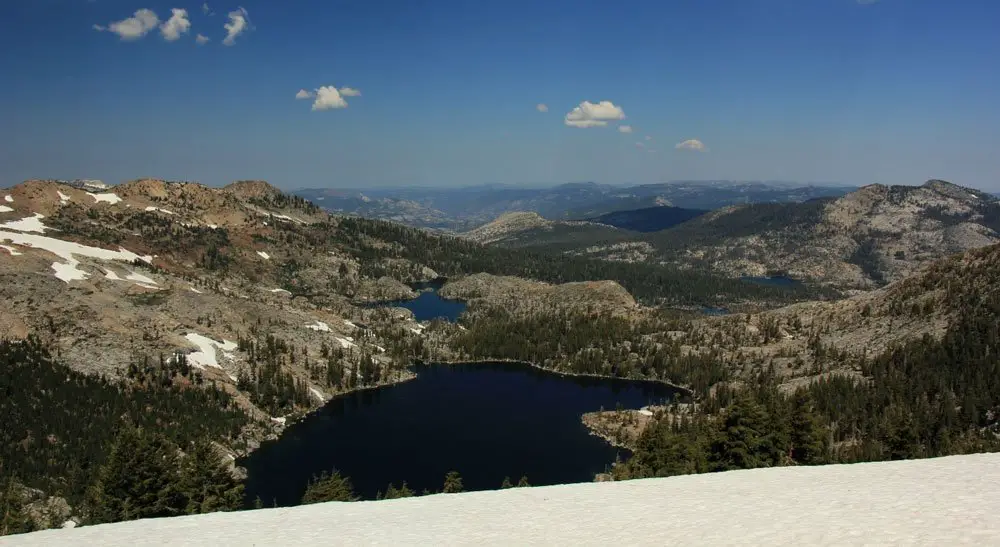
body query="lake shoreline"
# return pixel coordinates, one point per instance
(685, 390)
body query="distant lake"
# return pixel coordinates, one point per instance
(486, 421)
(778, 280)
(709, 310)
(428, 305)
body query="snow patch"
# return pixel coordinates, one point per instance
(194, 290)
(317, 393)
(109, 197)
(110, 274)
(278, 420)
(67, 250)
(264, 255)
(205, 356)
(27, 224)
(63, 198)
(938, 501)
(349, 324)
(11, 250)
(139, 278)
(280, 290)
(9, 198)
(319, 326)
(164, 211)
(67, 271)
(5, 209)
(344, 343)
(287, 218)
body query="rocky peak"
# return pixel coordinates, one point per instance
(247, 189)
(955, 191)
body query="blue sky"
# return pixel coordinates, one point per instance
(893, 91)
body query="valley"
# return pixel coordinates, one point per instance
(296, 327)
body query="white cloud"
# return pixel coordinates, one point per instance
(207, 10)
(691, 144)
(239, 22)
(541, 107)
(98, 28)
(350, 92)
(303, 94)
(175, 26)
(624, 128)
(589, 114)
(135, 27)
(648, 138)
(201, 39)
(328, 98)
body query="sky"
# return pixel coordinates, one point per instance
(464, 92)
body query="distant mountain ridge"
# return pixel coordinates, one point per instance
(863, 239)
(462, 209)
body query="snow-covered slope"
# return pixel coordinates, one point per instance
(943, 501)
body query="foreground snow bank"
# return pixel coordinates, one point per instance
(942, 501)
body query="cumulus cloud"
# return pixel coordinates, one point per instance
(691, 144)
(207, 10)
(303, 94)
(134, 27)
(328, 98)
(350, 92)
(624, 128)
(239, 22)
(201, 39)
(541, 107)
(175, 26)
(589, 114)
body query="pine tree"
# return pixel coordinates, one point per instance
(139, 480)
(523, 482)
(810, 443)
(13, 519)
(740, 444)
(506, 483)
(453, 483)
(207, 483)
(329, 487)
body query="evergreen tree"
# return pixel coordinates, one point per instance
(329, 487)
(207, 483)
(453, 483)
(402, 492)
(506, 483)
(523, 482)
(13, 518)
(741, 442)
(810, 442)
(139, 480)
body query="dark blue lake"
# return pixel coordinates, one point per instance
(486, 421)
(709, 310)
(428, 305)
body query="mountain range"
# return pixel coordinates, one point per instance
(462, 209)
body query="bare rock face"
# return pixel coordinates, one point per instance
(517, 293)
(865, 239)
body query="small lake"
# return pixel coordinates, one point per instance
(428, 305)
(710, 310)
(486, 421)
